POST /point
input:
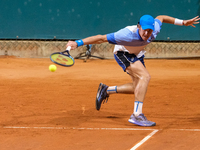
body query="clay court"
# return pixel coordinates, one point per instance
(43, 110)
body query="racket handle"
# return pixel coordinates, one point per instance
(68, 48)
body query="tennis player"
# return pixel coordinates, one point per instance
(129, 54)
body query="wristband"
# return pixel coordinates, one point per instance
(79, 42)
(178, 22)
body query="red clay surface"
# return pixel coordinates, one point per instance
(32, 96)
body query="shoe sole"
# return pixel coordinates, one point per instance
(144, 125)
(98, 92)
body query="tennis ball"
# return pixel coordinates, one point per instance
(52, 68)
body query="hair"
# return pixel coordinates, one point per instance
(138, 24)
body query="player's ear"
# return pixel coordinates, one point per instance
(138, 25)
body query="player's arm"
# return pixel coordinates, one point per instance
(97, 39)
(171, 20)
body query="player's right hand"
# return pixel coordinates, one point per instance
(73, 45)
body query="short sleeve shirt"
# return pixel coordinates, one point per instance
(129, 36)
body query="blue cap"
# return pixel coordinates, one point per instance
(147, 22)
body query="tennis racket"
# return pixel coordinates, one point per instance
(63, 58)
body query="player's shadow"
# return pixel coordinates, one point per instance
(78, 117)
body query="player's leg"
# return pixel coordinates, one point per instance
(127, 88)
(137, 72)
(124, 59)
(136, 69)
(104, 91)
(141, 78)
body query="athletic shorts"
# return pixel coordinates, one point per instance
(124, 59)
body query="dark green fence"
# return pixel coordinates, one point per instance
(75, 19)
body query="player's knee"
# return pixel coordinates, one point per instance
(146, 77)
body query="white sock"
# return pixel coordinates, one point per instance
(112, 89)
(138, 108)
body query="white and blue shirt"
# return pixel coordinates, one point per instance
(129, 40)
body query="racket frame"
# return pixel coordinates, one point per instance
(63, 53)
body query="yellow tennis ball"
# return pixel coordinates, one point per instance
(52, 68)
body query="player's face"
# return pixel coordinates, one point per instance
(145, 34)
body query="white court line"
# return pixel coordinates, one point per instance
(73, 128)
(144, 140)
(186, 129)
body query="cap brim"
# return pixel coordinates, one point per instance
(148, 27)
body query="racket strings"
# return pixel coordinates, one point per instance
(62, 59)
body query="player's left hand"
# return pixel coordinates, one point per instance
(191, 22)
